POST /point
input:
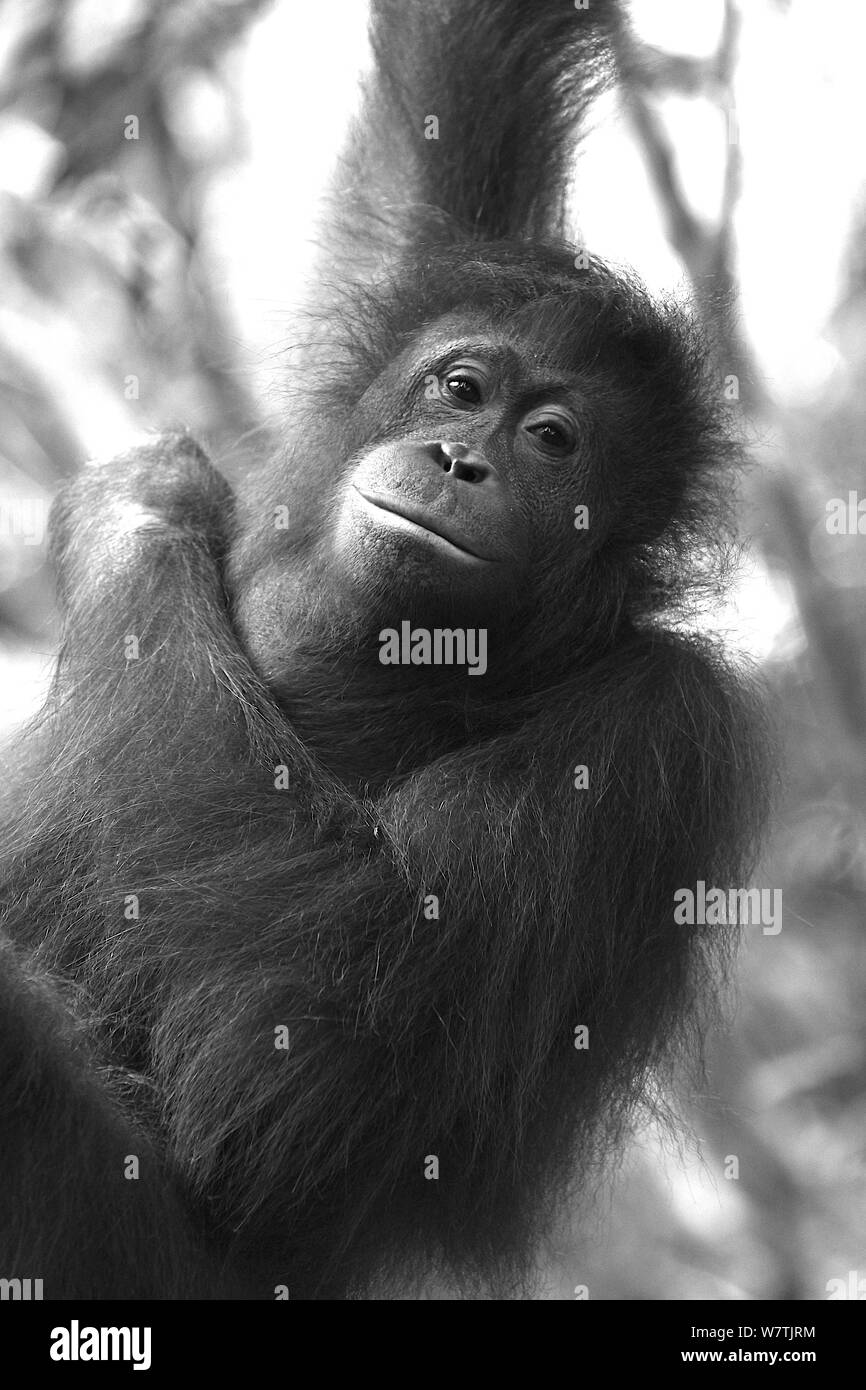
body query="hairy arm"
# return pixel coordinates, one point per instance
(466, 127)
(87, 1205)
(151, 747)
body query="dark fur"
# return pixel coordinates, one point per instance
(304, 907)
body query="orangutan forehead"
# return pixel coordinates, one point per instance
(520, 341)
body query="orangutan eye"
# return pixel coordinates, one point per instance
(464, 385)
(553, 435)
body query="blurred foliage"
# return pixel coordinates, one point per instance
(113, 120)
(111, 321)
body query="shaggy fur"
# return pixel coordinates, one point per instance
(167, 907)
